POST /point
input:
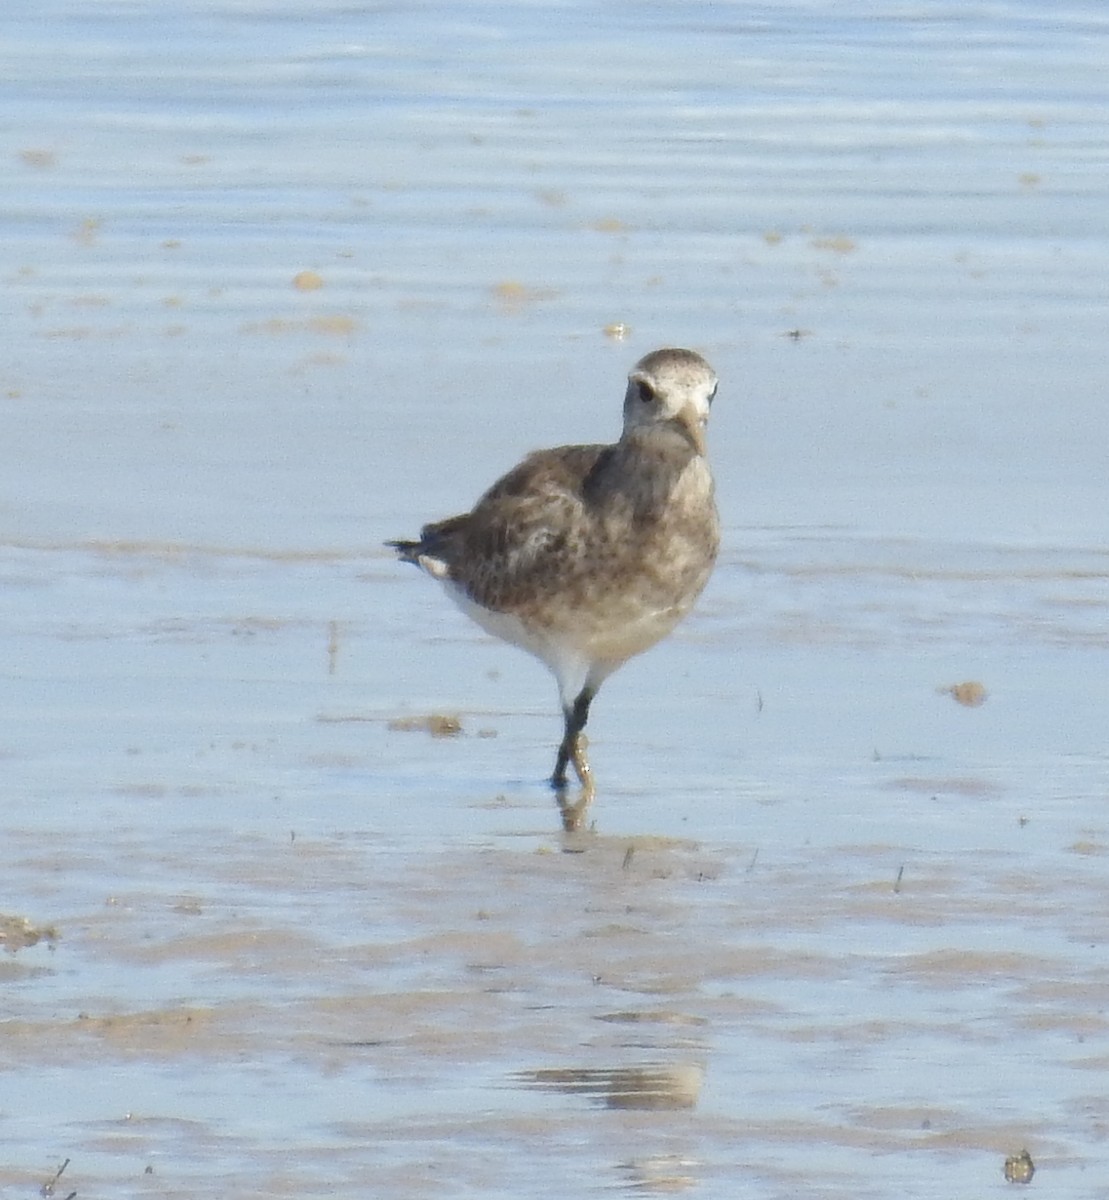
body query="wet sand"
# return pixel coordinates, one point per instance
(829, 928)
(287, 907)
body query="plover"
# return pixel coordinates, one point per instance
(585, 556)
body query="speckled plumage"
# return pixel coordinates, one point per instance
(587, 555)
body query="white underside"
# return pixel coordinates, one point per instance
(568, 662)
(575, 657)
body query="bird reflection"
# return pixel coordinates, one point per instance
(650, 1087)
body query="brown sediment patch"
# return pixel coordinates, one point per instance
(513, 297)
(757, 961)
(255, 951)
(18, 933)
(40, 159)
(176, 552)
(946, 785)
(909, 1118)
(336, 325)
(83, 333)
(1088, 848)
(968, 968)
(837, 244)
(439, 725)
(155, 1033)
(658, 1016)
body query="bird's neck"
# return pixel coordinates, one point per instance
(660, 450)
(644, 470)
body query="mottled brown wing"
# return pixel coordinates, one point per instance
(514, 544)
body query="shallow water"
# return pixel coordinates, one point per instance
(829, 932)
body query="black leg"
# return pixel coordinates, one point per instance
(571, 750)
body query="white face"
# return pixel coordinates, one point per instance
(671, 386)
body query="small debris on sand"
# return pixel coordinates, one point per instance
(970, 695)
(439, 725)
(1019, 1168)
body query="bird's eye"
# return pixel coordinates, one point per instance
(646, 392)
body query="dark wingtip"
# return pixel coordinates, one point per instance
(406, 551)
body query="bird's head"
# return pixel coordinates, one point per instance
(671, 388)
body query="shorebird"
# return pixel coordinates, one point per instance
(585, 556)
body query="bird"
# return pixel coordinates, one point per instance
(585, 556)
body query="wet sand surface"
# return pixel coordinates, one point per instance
(287, 908)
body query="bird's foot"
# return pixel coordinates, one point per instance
(573, 752)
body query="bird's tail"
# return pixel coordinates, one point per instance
(406, 551)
